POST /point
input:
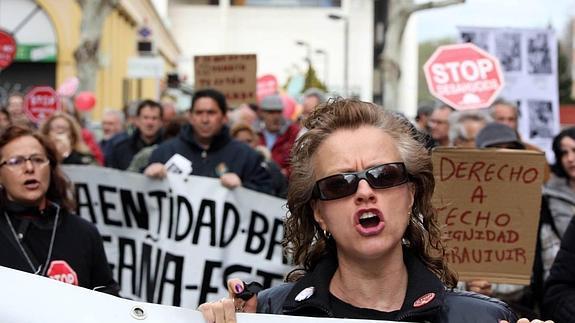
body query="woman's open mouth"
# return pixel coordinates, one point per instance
(369, 222)
(31, 184)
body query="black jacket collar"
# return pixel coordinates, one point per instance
(425, 292)
(139, 143)
(220, 139)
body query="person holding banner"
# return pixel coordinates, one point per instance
(362, 229)
(212, 152)
(39, 233)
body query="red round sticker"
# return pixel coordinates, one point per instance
(424, 300)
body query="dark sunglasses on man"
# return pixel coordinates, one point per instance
(345, 184)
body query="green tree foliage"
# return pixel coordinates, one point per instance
(311, 80)
(425, 50)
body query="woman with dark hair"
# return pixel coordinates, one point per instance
(557, 208)
(39, 233)
(362, 230)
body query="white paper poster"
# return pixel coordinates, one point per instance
(528, 58)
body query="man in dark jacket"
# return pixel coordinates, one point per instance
(207, 144)
(148, 132)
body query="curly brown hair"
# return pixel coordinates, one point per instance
(304, 240)
(60, 188)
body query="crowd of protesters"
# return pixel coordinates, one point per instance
(250, 146)
(246, 146)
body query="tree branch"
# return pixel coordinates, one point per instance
(434, 4)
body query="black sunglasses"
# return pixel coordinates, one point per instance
(342, 185)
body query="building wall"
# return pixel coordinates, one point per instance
(65, 16)
(118, 43)
(272, 32)
(408, 85)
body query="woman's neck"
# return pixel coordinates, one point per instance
(380, 285)
(13, 206)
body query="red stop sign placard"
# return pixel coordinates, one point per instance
(61, 271)
(463, 76)
(40, 103)
(266, 85)
(7, 49)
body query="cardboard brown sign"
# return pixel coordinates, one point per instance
(488, 205)
(234, 75)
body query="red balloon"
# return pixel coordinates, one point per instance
(85, 101)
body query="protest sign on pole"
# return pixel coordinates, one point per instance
(34, 299)
(463, 76)
(177, 241)
(266, 85)
(40, 103)
(488, 206)
(7, 49)
(233, 75)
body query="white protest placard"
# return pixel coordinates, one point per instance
(177, 241)
(34, 299)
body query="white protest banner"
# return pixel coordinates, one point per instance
(34, 299)
(177, 241)
(528, 58)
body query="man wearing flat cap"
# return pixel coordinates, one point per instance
(278, 134)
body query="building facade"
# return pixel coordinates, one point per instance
(47, 33)
(283, 34)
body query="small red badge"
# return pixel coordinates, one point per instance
(61, 271)
(424, 300)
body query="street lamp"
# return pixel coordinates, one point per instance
(308, 49)
(325, 64)
(345, 50)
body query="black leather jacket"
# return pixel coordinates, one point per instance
(426, 300)
(559, 299)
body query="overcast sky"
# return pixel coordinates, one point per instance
(439, 23)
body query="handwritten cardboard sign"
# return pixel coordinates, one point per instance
(234, 75)
(488, 205)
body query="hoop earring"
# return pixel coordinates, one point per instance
(327, 234)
